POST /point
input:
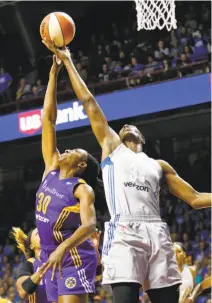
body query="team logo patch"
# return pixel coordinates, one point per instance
(70, 282)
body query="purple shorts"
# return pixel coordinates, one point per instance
(78, 270)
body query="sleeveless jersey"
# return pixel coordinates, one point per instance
(187, 279)
(132, 183)
(57, 211)
(39, 296)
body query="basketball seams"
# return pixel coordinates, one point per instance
(44, 28)
(58, 27)
(55, 30)
(68, 27)
(58, 19)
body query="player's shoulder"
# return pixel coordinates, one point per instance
(193, 270)
(72, 182)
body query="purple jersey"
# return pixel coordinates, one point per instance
(28, 268)
(39, 295)
(57, 210)
(57, 217)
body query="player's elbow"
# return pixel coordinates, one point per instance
(48, 117)
(21, 292)
(88, 99)
(194, 200)
(90, 227)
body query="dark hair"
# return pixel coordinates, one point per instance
(90, 176)
(28, 240)
(181, 245)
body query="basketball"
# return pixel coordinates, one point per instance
(59, 28)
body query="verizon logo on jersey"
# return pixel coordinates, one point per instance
(30, 122)
(138, 187)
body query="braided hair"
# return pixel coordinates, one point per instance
(23, 241)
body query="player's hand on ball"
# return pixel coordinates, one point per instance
(55, 260)
(62, 54)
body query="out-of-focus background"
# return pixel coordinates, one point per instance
(158, 80)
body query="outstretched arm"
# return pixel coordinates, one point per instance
(107, 138)
(181, 189)
(49, 149)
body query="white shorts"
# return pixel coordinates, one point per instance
(139, 250)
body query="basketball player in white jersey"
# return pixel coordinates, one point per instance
(137, 244)
(188, 273)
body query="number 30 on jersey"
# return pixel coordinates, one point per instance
(43, 202)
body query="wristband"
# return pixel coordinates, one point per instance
(29, 286)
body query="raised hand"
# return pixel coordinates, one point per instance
(62, 54)
(56, 66)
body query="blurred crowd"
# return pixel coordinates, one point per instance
(191, 227)
(124, 53)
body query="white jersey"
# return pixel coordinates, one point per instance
(132, 183)
(187, 280)
(135, 236)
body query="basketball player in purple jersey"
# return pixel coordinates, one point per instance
(137, 245)
(65, 214)
(29, 278)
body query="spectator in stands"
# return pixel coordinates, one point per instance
(104, 76)
(122, 57)
(5, 82)
(34, 92)
(23, 90)
(110, 64)
(174, 53)
(151, 65)
(118, 70)
(188, 51)
(82, 72)
(168, 72)
(183, 64)
(135, 67)
(161, 52)
(40, 86)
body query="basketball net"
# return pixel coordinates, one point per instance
(152, 14)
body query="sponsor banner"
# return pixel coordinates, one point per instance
(118, 105)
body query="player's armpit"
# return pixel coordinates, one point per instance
(181, 189)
